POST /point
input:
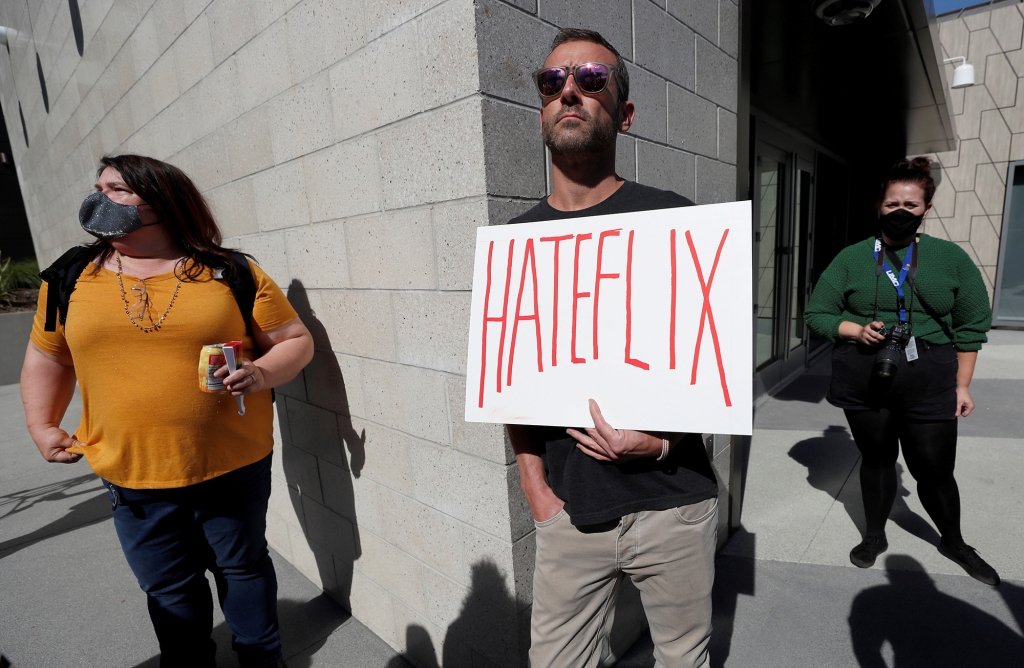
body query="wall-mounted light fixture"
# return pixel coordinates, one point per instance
(5, 33)
(963, 74)
(842, 12)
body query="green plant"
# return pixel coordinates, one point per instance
(20, 274)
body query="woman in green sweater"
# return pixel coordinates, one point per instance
(912, 392)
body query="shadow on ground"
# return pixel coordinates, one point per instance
(909, 623)
(305, 627)
(95, 508)
(819, 455)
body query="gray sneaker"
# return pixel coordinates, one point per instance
(864, 555)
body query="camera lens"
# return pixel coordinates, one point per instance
(886, 360)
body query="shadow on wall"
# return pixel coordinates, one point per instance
(917, 625)
(479, 636)
(822, 455)
(316, 429)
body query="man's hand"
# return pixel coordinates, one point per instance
(544, 504)
(53, 443)
(606, 444)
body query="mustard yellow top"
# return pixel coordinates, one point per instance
(145, 422)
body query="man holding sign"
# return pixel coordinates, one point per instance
(609, 503)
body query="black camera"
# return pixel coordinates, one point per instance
(886, 359)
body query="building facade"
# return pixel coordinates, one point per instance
(354, 148)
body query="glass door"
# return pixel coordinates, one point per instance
(784, 190)
(1008, 306)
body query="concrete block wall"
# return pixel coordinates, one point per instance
(989, 118)
(353, 148)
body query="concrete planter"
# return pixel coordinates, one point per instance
(14, 331)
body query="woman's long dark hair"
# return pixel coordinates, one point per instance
(180, 208)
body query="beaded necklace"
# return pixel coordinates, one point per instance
(127, 308)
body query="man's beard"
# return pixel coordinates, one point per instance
(588, 138)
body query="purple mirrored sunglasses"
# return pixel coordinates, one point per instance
(591, 78)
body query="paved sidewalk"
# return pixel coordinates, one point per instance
(68, 598)
(786, 594)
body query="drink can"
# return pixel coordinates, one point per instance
(211, 358)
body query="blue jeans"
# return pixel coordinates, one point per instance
(171, 537)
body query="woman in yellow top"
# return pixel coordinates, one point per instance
(187, 476)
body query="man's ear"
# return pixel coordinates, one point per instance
(626, 113)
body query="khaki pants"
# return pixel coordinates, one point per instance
(669, 555)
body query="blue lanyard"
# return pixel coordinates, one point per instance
(897, 282)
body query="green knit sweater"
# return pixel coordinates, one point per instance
(948, 282)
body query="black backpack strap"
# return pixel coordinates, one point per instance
(61, 277)
(243, 286)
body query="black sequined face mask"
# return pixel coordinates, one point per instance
(104, 218)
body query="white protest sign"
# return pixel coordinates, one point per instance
(648, 313)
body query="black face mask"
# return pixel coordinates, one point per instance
(900, 224)
(104, 218)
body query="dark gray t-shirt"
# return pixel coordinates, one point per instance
(595, 492)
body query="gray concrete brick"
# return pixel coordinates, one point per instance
(359, 322)
(193, 53)
(514, 151)
(431, 329)
(334, 189)
(611, 18)
(234, 206)
(280, 200)
(264, 66)
(699, 15)
(455, 227)
(327, 386)
(665, 168)
(317, 254)
(338, 493)
(716, 181)
(322, 32)
(388, 458)
(416, 164)
(247, 144)
(512, 46)
(727, 136)
(315, 430)
(625, 157)
(408, 399)
(269, 251)
(422, 532)
(301, 472)
(466, 488)
(392, 250)
(692, 122)
(330, 530)
(480, 439)
(729, 27)
(647, 92)
(394, 58)
(232, 24)
(663, 45)
(301, 119)
(449, 69)
(384, 16)
(716, 75)
(390, 567)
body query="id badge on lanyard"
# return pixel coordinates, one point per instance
(909, 265)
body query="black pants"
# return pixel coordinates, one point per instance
(929, 449)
